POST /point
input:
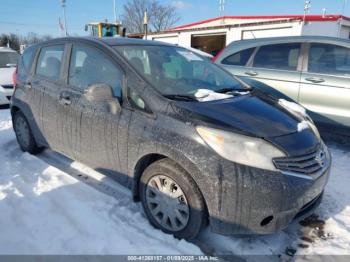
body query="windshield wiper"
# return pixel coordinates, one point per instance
(232, 89)
(181, 97)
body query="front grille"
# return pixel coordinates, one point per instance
(7, 86)
(304, 164)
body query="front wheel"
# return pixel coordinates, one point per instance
(172, 200)
(24, 134)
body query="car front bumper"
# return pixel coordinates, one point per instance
(255, 201)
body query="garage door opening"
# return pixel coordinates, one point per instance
(211, 44)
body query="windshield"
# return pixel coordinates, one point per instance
(8, 59)
(177, 71)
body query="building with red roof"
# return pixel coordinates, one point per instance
(212, 35)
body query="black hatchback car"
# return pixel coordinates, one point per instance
(194, 144)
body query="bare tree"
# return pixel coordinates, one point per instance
(11, 39)
(33, 38)
(160, 16)
(15, 41)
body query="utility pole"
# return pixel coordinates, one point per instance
(63, 3)
(341, 17)
(222, 10)
(115, 10)
(307, 7)
(222, 7)
(145, 24)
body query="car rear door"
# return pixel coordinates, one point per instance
(48, 78)
(325, 83)
(278, 66)
(29, 95)
(97, 136)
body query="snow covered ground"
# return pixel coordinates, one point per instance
(51, 205)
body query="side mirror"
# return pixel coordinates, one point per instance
(86, 28)
(103, 94)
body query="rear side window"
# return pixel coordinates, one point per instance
(239, 59)
(279, 56)
(329, 59)
(49, 62)
(28, 57)
(90, 66)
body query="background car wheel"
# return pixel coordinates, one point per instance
(172, 200)
(24, 134)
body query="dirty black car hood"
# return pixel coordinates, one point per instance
(254, 114)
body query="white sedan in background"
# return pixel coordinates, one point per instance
(8, 63)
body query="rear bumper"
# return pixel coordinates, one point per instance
(5, 95)
(255, 201)
(4, 100)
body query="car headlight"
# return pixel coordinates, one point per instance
(241, 149)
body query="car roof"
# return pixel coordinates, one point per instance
(292, 39)
(237, 46)
(6, 49)
(111, 41)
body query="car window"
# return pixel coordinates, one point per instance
(8, 59)
(239, 59)
(28, 57)
(49, 62)
(90, 66)
(329, 59)
(279, 56)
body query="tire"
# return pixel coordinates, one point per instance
(24, 134)
(189, 220)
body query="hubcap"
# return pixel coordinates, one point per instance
(167, 203)
(22, 131)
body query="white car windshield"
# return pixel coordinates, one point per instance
(178, 71)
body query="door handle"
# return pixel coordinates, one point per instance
(315, 80)
(65, 99)
(28, 85)
(251, 73)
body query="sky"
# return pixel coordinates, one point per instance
(41, 16)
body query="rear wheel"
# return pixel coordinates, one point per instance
(172, 200)
(24, 134)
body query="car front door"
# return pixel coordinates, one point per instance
(278, 66)
(48, 77)
(325, 83)
(98, 134)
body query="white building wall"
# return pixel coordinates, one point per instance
(286, 29)
(185, 39)
(345, 32)
(321, 28)
(296, 28)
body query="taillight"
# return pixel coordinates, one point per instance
(14, 79)
(217, 55)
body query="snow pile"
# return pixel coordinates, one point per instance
(294, 107)
(47, 211)
(303, 125)
(204, 95)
